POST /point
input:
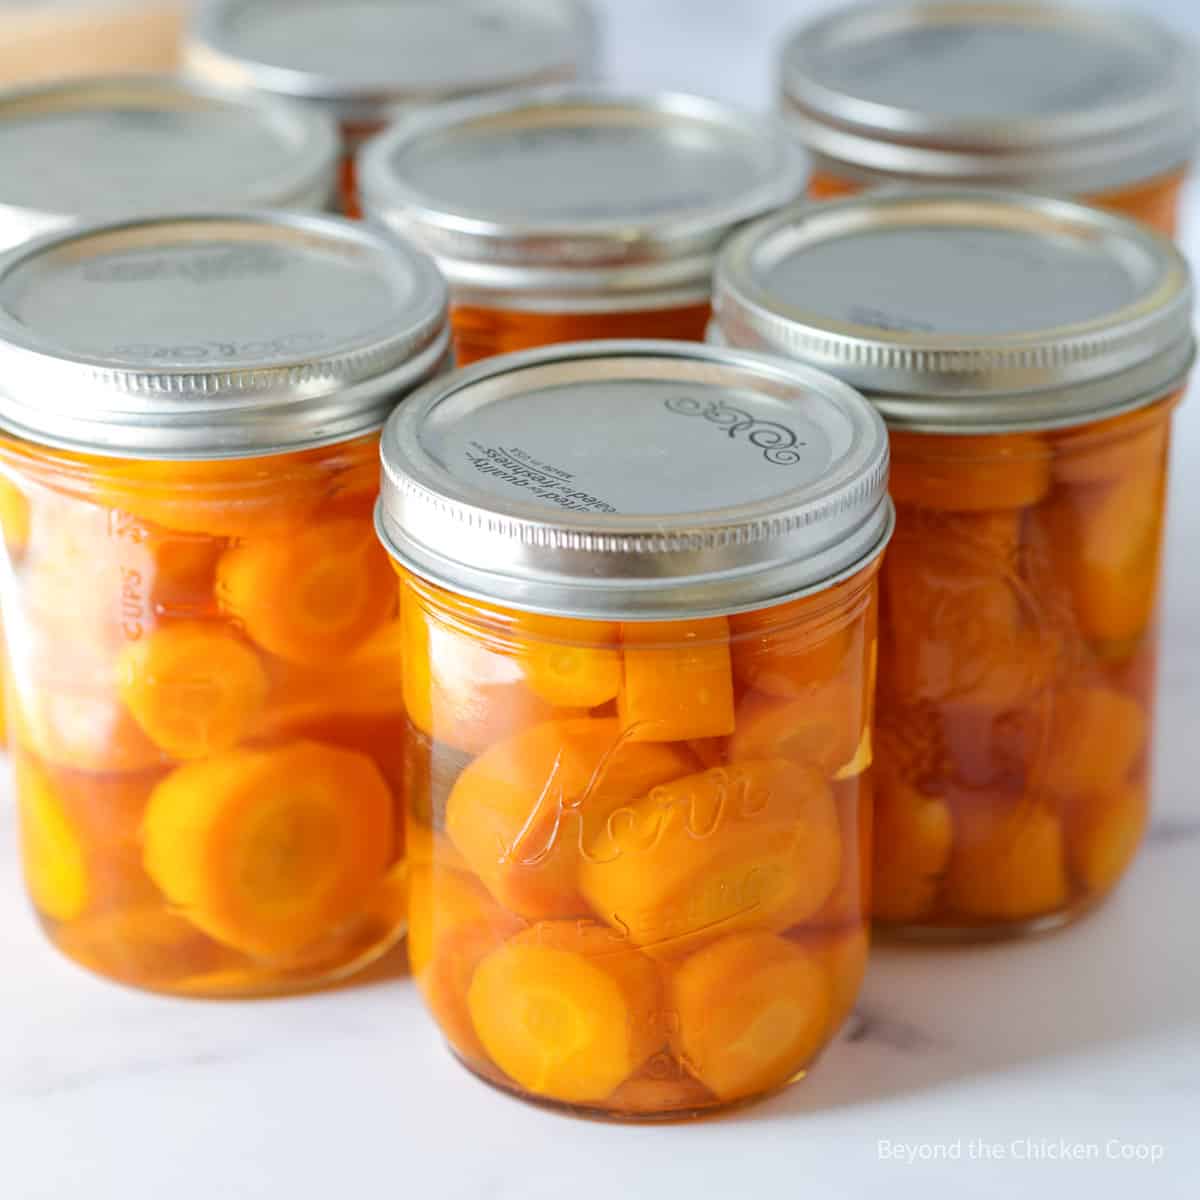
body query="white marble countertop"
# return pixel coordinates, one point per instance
(1071, 1062)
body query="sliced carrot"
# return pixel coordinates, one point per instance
(1106, 451)
(312, 596)
(14, 515)
(1108, 544)
(86, 730)
(1103, 834)
(913, 838)
(146, 946)
(194, 687)
(822, 729)
(678, 681)
(843, 953)
(234, 498)
(1097, 735)
(570, 663)
(1008, 862)
(787, 659)
(753, 845)
(458, 689)
(566, 1010)
(521, 813)
(453, 925)
(850, 901)
(753, 1010)
(982, 473)
(52, 852)
(268, 851)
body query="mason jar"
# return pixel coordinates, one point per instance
(577, 214)
(638, 619)
(367, 63)
(86, 150)
(1027, 355)
(1042, 97)
(206, 708)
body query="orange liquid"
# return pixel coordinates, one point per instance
(483, 332)
(1155, 201)
(1018, 647)
(649, 839)
(193, 639)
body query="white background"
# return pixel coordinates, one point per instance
(1091, 1036)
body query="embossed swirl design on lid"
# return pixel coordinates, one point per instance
(635, 480)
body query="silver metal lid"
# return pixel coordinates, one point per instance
(966, 311)
(580, 198)
(1009, 93)
(634, 481)
(102, 149)
(369, 60)
(214, 336)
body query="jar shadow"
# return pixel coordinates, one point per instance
(933, 1016)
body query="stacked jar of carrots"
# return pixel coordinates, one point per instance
(1027, 355)
(577, 214)
(205, 695)
(366, 64)
(639, 716)
(1051, 98)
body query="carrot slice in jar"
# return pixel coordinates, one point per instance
(1108, 541)
(752, 844)
(268, 850)
(14, 516)
(1097, 735)
(224, 498)
(678, 680)
(523, 811)
(969, 474)
(753, 1010)
(570, 663)
(194, 687)
(1008, 862)
(913, 839)
(1109, 450)
(823, 729)
(1103, 834)
(566, 1010)
(453, 925)
(459, 690)
(52, 852)
(312, 596)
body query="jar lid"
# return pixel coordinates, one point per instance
(215, 336)
(1038, 96)
(966, 311)
(635, 481)
(579, 198)
(367, 60)
(96, 149)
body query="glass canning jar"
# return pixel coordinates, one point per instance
(579, 214)
(368, 63)
(639, 627)
(113, 148)
(1042, 97)
(1027, 355)
(207, 789)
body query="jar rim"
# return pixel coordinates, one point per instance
(700, 528)
(962, 353)
(1107, 100)
(554, 244)
(306, 180)
(217, 335)
(261, 45)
